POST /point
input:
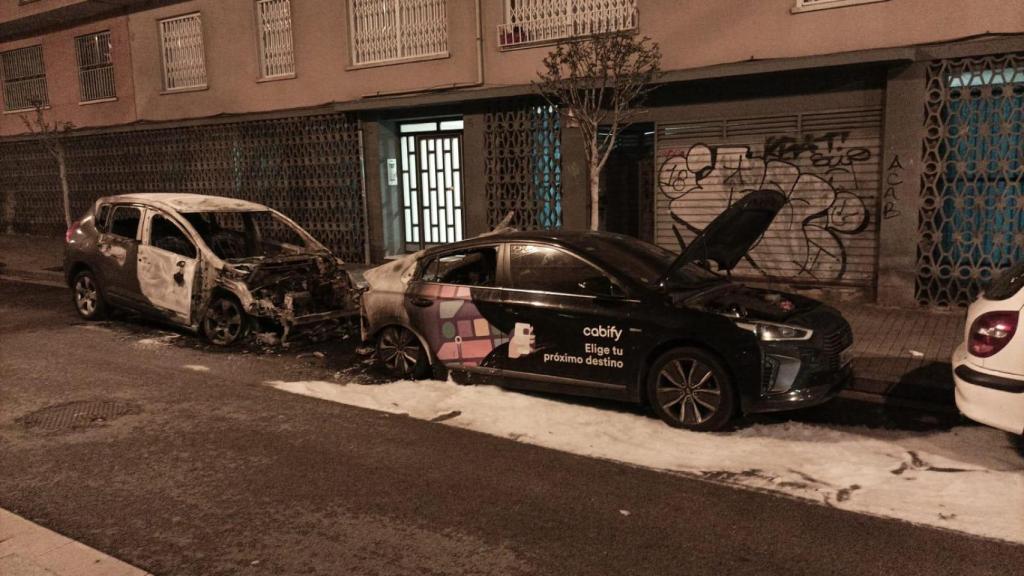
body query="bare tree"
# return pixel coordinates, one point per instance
(600, 81)
(52, 136)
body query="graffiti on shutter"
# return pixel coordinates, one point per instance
(826, 163)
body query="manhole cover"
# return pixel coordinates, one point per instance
(81, 414)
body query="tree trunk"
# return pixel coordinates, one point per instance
(9, 201)
(62, 167)
(595, 193)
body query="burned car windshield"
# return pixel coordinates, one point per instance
(1007, 284)
(241, 235)
(644, 261)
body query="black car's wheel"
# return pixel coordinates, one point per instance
(88, 297)
(689, 388)
(224, 322)
(401, 353)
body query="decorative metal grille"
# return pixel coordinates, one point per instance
(808, 5)
(530, 21)
(181, 40)
(523, 168)
(24, 76)
(95, 67)
(277, 56)
(309, 168)
(397, 29)
(971, 219)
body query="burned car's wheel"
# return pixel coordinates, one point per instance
(689, 388)
(88, 297)
(225, 321)
(401, 353)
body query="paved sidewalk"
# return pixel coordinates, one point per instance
(28, 549)
(32, 257)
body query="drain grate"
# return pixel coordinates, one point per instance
(80, 414)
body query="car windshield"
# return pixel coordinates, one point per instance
(241, 235)
(643, 261)
(1007, 284)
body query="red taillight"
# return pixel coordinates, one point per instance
(71, 231)
(991, 332)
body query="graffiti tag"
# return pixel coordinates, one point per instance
(893, 178)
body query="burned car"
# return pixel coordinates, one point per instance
(610, 316)
(216, 265)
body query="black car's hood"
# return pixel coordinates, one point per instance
(732, 234)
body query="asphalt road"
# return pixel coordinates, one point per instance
(216, 473)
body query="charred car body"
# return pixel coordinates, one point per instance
(215, 265)
(609, 316)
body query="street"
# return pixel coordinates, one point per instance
(210, 471)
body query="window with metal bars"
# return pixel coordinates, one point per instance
(536, 21)
(277, 55)
(810, 5)
(389, 30)
(24, 77)
(184, 56)
(95, 67)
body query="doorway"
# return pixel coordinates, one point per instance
(431, 173)
(627, 184)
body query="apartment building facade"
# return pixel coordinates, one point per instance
(894, 127)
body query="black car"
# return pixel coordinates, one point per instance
(610, 316)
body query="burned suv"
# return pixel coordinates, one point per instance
(215, 265)
(610, 316)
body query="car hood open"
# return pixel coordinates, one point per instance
(733, 233)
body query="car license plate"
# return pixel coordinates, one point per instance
(846, 356)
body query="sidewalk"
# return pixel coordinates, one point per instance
(901, 355)
(28, 549)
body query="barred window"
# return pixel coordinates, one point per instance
(184, 56)
(95, 67)
(24, 76)
(809, 5)
(277, 56)
(386, 30)
(536, 21)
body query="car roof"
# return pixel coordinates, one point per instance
(187, 202)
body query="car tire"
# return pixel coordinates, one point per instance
(690, 388)
(224, 322)
(401, 354)
(87, 296)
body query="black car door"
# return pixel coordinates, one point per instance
(118, 247)
(571, 322)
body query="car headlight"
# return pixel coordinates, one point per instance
(769, 332)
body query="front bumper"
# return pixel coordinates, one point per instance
(996, 400)
(821, 387)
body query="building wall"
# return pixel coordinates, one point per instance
(62, 78)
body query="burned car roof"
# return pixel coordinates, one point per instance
(185, 203)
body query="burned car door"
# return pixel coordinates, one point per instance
(118, 248)
(454, 303)
(167, 265)
(572, 322)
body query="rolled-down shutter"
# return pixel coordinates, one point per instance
(826, 163)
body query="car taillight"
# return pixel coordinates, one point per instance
(71, 231)
(991, 332)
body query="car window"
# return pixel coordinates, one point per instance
(125, 221)
(471, 267)
(239, 235)
(549, 269)
(166, 235)
(101, 217)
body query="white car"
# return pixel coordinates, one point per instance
(988, 367)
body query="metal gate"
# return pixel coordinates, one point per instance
(971, 220)
(826, 163)
(432, 188)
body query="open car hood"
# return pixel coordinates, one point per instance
(733, 233)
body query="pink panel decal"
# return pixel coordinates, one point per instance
(465, 328)
(448, 291)
(476, 348)
(462, 292)
(482, 327)
(430, 290)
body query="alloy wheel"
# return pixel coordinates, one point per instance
(688, 390)
(86, 295)
(399, 350)
(223, 322)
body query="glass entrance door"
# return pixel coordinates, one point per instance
(432, 183)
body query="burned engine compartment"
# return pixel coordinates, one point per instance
(297, 289)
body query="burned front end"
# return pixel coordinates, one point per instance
(806, 346)
(295, 292)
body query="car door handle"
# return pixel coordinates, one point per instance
(420, 301)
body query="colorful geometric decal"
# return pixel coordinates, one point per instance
(463, 337)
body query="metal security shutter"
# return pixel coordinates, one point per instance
(826, 163)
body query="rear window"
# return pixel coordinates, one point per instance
(1007, 284)
(125, 221)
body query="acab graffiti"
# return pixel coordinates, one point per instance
(808, 238)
